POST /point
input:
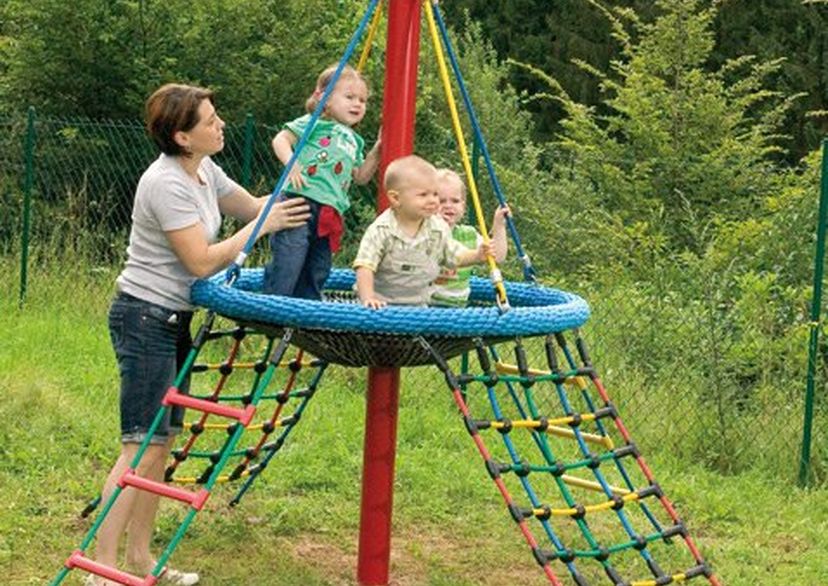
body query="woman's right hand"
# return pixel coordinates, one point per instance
(290, 213)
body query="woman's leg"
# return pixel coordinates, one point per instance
(130, 506)
(142, 522)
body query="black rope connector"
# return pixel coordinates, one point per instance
(465, 379)
(700, 570)
(260, 367)
(558, 469)
(566, 556)
(268, 427)
(205, 476)
(576, 420)
(471, 424)
(545, 513)
(215, 457)
(226, 369)
(283, 397)
(251, 453)
(551, 358)
(640, 542)
(247, 399)
(482, 356)
(603, 554)
(617, 502)
(506, 426)
(582, 351)
(295, 365)
(493, 468)
(594, 461)
(625, 450)
(651, 490)
(543, 424)
(542, 556)
(239, 334)
(677, 529)
(518, 514)
(579, 513)
(197, 428)
(179, 455)
(522, 469)
(231, 429)
(237, 472)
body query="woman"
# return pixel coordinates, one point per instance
(175, 221)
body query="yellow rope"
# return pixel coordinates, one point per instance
(496, 276)
(369, 40)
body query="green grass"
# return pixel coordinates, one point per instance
(299, 524)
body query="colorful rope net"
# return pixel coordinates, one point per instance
(554, 444)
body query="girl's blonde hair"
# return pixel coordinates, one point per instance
(446, 173)
(324, 80)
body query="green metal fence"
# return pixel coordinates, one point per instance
(691, 380)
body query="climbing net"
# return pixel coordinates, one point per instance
(554, 444)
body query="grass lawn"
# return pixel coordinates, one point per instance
(299, 523)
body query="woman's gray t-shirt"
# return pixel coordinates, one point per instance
(167, 199)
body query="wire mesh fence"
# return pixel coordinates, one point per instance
(692, 379)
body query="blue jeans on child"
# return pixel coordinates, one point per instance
(300, 260)
(151, 344)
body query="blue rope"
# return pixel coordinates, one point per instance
(535, 309)
(528, 270)
(234, 270)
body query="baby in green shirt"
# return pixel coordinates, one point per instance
(451, 288)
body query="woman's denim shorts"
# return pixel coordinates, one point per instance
(151, 343)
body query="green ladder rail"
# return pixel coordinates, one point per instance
(196, 500)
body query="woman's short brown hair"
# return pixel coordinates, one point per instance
(324, 80)
(173, 108)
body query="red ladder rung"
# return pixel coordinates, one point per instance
(194, 499)
(245, 416)
(78, 560)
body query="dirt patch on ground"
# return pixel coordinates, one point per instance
(425, 557)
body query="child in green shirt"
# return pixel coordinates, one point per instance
(452, 285)
(330, 161)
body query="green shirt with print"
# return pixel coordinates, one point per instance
(328, 159)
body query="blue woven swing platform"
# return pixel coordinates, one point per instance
(343, 332)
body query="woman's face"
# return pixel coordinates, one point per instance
(207, 136)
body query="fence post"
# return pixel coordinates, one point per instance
(28, 155)
(247, 155)
(816, 310)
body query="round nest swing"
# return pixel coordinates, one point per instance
(341, 331)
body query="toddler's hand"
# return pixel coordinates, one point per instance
(500, 216)
(373, 303)
(484, 251)
(297, 181)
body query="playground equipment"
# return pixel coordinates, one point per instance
(579, 452)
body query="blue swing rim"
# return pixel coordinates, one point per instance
(535, 309)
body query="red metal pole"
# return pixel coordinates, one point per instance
(383, 392)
